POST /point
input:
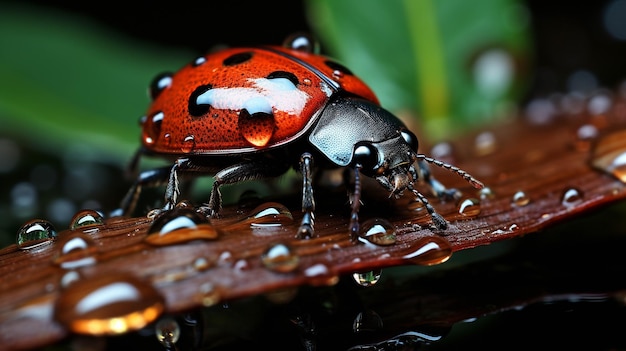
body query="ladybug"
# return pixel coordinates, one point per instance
(249, 113)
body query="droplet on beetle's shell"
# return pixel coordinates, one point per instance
(609, 154)
(76, 250)
(35, 233)
(378, 231)
(368, 278)
(189, 144)
(257, 128)
(179, 225)
(429, 251)
(469, 207)
(280, 258)
(86, 219)
(108, 305)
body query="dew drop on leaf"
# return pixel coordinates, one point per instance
(280, 258)
(378, 231)
(108, 305)
(35, 233)
(86, 218)
(429, 251)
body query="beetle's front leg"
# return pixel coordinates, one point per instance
(439, 190)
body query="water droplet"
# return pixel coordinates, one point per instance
(337, 74)
(201, 264)
(571, 197)
(189, 143)
(320, 274)
(367, 321)
(367, 278)
(35, 233)
(585, 135)
(257, 128)
(167, 139)
(485, 143)
(469, 207)
(208, 295)
(269, 214)
(167, 331)
(609, 154)
(86, 218)
(180, 225)
(69, 277)
(107, 305)
(378, 231)
(441, 150)
(280, 258)
(520, 199)
(306, 81)
(486, 193)
(76, 250)
(429, 251)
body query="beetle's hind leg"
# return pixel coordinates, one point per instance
(247, 170)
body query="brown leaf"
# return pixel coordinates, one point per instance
(538, 174)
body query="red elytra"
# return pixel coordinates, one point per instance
(206, 107)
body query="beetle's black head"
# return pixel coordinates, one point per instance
(352, 131)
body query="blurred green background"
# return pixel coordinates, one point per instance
(73, 76)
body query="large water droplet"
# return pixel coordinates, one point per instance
(280, 258)
(368, 278)
(429, 251)
(609, 154)
(107, 305)
(76, 250)
(378, 231)
(35, 233)
(571, 197)
(257, 128)
(469, 207)
(179, 225)
(87, 219)
(520, 199)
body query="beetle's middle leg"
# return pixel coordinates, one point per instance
(246, 170)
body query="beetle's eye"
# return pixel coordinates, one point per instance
(366, 155)
(410, 139)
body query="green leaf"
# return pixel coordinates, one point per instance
(455, 64)
(67, 82)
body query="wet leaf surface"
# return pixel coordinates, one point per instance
(538, 175)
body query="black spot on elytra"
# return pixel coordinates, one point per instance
(159, 83)
(196, 109)
(237, 58)
(283, 74)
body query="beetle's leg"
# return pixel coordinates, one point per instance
(151, 177)
(356, 205)
(249, 170)
(439, 221)
(308, 202)
(438, 189)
